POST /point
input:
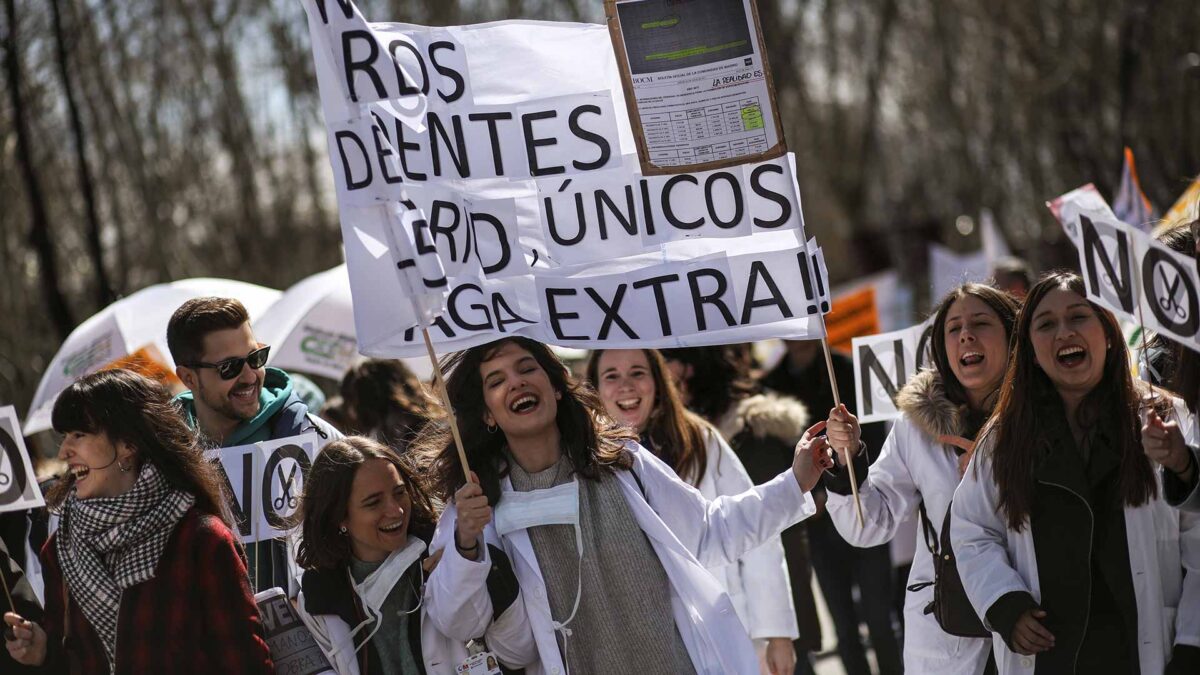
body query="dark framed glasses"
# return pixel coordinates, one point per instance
(232, 367)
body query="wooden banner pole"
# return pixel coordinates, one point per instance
(837, 402)
(440, 384)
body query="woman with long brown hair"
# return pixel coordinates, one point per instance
(1065, 546)
(609, 545)
(638, 393)
(920, 463)
(143, 574)
(366, 521)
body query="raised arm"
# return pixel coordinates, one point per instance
(720, 531)
(886, 488)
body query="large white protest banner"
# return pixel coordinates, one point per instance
(884, 363)
(492, 176)
(265, 481)
(18, 484)
(1131, 273)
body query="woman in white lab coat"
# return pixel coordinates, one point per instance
(608, 544)
(1065, 545)
(365, 521)
(920, 463)
(636, 392)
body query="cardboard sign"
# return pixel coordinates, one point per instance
(1133, 275)
(855, 313)
(884, 363)
(18, 484)
(293, 648)
(490, 187)
(697, 83)
(265, 482)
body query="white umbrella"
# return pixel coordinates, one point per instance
(134, 327)
(311, 328)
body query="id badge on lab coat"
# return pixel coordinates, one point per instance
(483, 663)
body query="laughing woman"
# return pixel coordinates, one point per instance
(637, 392)
(920, 463)
(609, 545)
(143, 574)
(366, 522)
(1065, 545)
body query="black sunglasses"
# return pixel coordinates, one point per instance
(232, 367)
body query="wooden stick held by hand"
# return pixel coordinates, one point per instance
(837, 402)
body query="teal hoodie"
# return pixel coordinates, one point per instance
(277, 388)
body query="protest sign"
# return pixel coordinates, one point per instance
(884, 363)
(854, 313)
(696, 81)
(18, 483)
(265, 481)
(293, 649)
(512, 204)
(1132, 274)
(285, 464)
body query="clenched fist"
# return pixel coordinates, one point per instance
(474, 514)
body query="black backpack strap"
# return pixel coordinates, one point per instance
(931, 542)
(930, 534)
(641, 486)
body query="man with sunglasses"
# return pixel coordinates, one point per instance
(234, 399)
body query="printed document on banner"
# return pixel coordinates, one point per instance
(699, 79)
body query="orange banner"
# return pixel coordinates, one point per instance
(148, 361)
(854, 314)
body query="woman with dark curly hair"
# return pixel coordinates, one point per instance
(143, 574)
(609, 544)
(366, 522)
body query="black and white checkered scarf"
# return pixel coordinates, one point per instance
(108, 544)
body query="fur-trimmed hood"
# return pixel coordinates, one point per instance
(766, 415)
(924, 401)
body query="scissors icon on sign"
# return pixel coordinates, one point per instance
(286, 484)
(1168, 301)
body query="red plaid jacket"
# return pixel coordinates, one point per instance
(197, 615)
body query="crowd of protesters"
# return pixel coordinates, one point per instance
(664, 512)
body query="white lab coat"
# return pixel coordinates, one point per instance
(912, 466)
(685, 530)
(994, 560)
(440, 653)
(758, 582)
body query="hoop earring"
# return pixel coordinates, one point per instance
(491, 428)
(342, 530)
(122, 467)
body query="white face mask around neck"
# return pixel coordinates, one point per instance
(558, 505)
(374, 590)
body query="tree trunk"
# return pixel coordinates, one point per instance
(39, 228)
(103, 289)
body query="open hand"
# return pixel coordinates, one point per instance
(1029, 636)
(812, 457)
(781, 656)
